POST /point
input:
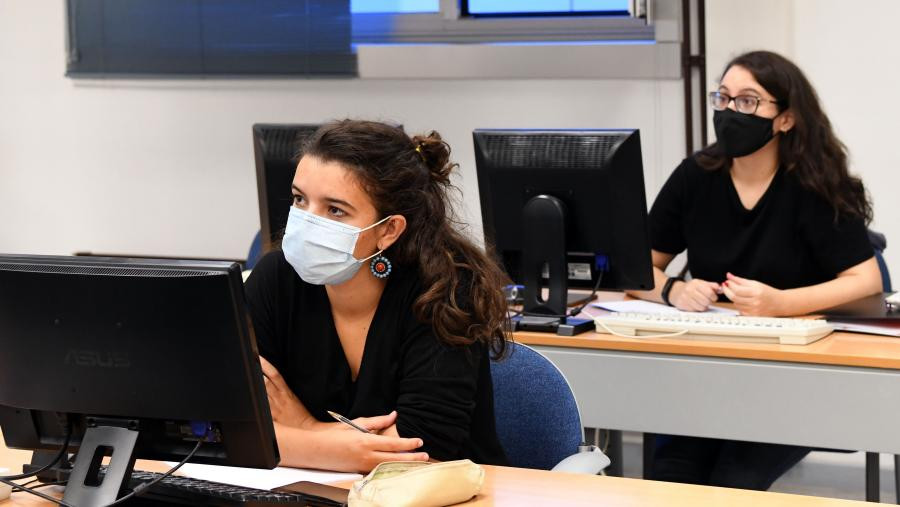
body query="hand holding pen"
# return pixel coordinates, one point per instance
(348, 422)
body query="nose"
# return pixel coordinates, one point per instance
(731, 104)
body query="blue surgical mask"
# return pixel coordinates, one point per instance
(321, 250)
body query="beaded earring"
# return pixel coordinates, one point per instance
(380, 266)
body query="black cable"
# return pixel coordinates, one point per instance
(29, 483)
(41, 485)
(143, 486)
(62, 452)
(511, 314)
(590, 298)
(35, 493)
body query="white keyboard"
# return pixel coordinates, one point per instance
(710, 326)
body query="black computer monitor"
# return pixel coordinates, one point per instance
(276, 148)
(572, 201)
(141, 356)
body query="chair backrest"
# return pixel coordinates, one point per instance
(538, 422)
(255, 252)
(879, 243)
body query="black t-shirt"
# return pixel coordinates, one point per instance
(789, 239)
(442, 394)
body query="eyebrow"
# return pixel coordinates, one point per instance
(742, 90)
(754, 90)
(330, 200)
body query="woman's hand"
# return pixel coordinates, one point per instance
(694, 295)
(339, 450)
(753, 298)
(286, 408)
(377, 424)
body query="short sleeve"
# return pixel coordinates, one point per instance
(261, 290)
(437, 392)
(837, 245)
(667, 214)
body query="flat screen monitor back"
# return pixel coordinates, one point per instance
(596, 174)
(163, 345)
(276, 149)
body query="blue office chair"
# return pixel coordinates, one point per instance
(538, 421)
(879, 243)
(255, 251)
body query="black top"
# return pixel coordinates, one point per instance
(442, 394)
(789, 239)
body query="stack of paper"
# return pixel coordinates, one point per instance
(260, 478)
(641, 306)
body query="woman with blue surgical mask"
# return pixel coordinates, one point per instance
(773, 222)
(377, 308)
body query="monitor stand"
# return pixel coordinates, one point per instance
(86, 488)
(544, 244)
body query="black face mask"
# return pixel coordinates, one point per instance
(740, 134)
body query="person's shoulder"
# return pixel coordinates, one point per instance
(270, 269)
(409, 286)
(692, 169)
(272, 262)
(804, 197)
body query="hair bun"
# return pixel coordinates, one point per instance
(435, 152)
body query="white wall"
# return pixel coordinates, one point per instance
(166, 167)
(849, 52)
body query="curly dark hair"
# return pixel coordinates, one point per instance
(410, 176)
(810, 149)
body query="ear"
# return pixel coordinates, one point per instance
(784, 122)
(392, 228)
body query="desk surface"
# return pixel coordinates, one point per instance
(840, 348)
(519, 487)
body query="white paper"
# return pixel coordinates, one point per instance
(866, 328)
(260, 478)
(641, 306)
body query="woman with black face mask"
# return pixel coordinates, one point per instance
(771, 220)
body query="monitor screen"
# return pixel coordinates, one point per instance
(596, 179)
(162, 348)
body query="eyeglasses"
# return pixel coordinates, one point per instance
(747, 104)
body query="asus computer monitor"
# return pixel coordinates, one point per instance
(140, 356)
(276, 148)
(565, 208)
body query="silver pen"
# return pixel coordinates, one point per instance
(348, 422)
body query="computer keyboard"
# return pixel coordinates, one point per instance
(184, 490)
(711, 326)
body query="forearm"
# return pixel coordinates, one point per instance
(805, 300)
(343, 450)
(303, 448)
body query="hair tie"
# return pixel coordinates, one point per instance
(419, 151)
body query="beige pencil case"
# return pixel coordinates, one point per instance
(417, 484)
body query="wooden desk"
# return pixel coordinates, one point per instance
(840, 392)
(521, 487)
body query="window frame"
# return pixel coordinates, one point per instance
(450, 25)
(465, 11)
